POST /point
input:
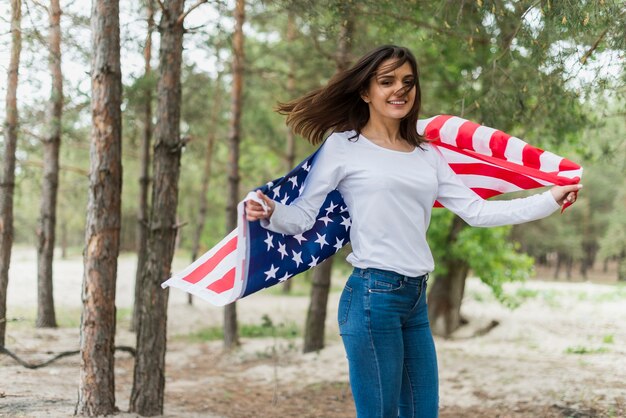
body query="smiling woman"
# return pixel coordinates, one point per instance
(389, 177)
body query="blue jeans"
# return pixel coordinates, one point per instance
(383, 321)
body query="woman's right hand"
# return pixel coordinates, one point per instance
(255, 211)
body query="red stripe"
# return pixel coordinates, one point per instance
(485, 193)
(497, 143)
(464, 138)
(566, 165)
(480, 169)
(541, 175)
(223, 284)
(205, 268)
(431, 131)
(530, 156)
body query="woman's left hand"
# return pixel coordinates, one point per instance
(563, 194)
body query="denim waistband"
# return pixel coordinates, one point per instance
(392, 274)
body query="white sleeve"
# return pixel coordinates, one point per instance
(324, 177)
(476, 211)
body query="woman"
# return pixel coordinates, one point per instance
(389, 177)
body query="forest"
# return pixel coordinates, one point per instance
(131, 131)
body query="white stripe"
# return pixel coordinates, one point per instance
(422, 123)
(549, 162)
(481, 138)
(513, 150)
(485, 182)
(570, 174)
(450, 130)
(189, 269)
(227, 264)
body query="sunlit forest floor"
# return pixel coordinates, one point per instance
(561, 353)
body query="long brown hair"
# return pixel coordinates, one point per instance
(338, 106)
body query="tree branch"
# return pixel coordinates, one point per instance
(585, 57)
(182, 17)
(14, 356)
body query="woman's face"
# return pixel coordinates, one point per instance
(391, 93)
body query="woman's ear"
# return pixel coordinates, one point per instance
(365, 97)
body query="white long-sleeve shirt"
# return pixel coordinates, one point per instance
(390, 196)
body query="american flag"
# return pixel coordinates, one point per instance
(251, 258)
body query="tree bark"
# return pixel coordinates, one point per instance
(50, 183)
(446, 294)
(149, 373)
(96, 393)
(231, 337)
(144, 179)
(316, 315)
(290, 148)
(7, 184)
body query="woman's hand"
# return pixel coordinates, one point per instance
(563, 194)
(256, 211)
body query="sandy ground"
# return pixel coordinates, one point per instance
(562, 353)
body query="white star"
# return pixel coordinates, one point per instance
(270, 184)
(269, 242)
(331, 207)
(284, 201)
(344, 209)
(271, 273)
(313, 262)
(285, 277)
(276, 192)
(306, 166)
(338, 244)
(282, 249)
(297, 258)
(299, 238)
(325, 219)
(294, 182)
(321, 240)
(301, 189)
(346, 222)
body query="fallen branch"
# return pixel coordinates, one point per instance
(4, 350)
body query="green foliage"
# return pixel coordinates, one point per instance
(265, 329)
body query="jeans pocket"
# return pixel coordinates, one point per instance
(344, 305)
(385, 285)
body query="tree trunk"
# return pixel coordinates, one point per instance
(144, 179)
(290, 149)
(206, 173)
(149, 373)
(50, 183)
(96, 392)
(316, 315)
(231, 337)
(446, 295)
(7, 184)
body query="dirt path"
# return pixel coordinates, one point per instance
(561, 354)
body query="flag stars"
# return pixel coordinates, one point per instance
(338, 244)
(299, 238)
(331, 207)
(269, 241)
(285, 277)
(325, 219)
(294, 182)
(321, 240)
(271, 273)
(284, 199)
(297, 258)
(276, 192)
(314, 261)
(346, 222)
(306, 166)
(282, 249)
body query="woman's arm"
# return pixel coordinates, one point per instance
(476, 211)
(298, 217)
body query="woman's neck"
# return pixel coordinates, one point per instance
(383, 131)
